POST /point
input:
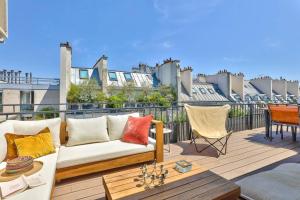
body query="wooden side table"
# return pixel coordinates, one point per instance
(167, 132)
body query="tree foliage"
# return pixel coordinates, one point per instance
(90, 92)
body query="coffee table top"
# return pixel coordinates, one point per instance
(198, 182)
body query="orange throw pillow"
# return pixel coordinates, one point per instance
(11, 146)
(137, 130)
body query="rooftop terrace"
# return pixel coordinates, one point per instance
(248, 153)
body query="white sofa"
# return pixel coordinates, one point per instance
(69, 161)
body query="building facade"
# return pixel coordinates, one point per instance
(20, 93)
(223, 86)
(3, 20)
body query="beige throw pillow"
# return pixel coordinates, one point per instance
(84, 131)
(34, 127)
(116, 125)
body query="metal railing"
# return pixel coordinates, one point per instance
(241, 116)
(32, 81)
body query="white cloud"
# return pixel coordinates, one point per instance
(167, 44)
(182, 11)
(77, 46)
(234, 59)
(272, 43)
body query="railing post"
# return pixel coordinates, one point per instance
(251, 116)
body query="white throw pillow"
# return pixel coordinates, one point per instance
(34, 127)
(5, 127)
(84, 131)
(116, 125)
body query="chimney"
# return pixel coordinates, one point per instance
(19, 76)
(26, 77)
(16, 77)
(169, 75)
(101, 64)
(30, 78)
(12, 76)
(65, 73)
(187, 79)
(4, 75)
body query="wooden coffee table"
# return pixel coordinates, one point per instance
(198, 183)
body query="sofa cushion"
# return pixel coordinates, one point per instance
(276, 184)
(35, 145)
(42, 192)
(84, 131)
(5, 127)
(137, 130)
(76, 155)
(116, 125)
(34, 127)
(12, 151)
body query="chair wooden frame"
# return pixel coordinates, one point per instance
(83, 169)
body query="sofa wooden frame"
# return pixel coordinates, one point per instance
(83, 169)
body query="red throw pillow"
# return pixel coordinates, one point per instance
(137, 129)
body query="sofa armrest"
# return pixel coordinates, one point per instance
(159, 153)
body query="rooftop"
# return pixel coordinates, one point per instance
(248, 153)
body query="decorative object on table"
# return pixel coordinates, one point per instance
(154, 177)
(183, 166)
(18, 167)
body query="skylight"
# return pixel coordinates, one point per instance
(128, 76)
(112, 76)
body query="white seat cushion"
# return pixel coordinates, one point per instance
(84, 131)
(42, 192)
(5, 127)
(76, 155)
(280, 183)
(34, 127)
(116, 125)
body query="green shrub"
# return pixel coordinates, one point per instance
(236, 112)
(116, 101)
(47, 113)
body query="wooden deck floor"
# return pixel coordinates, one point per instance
(248, 152)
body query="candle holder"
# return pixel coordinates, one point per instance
(155, 178)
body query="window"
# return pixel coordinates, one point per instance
(211, 91)
(83, 74)
(26, 100)
(194, 91)
(112, 76)
(128, 76)
(202, 90)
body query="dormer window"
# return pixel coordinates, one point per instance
(211, 91)
(128, 76)
(83, 74)
(112, 76)
(202, 90)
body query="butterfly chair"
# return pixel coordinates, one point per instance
(209, 123)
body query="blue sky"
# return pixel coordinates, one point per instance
(257, 37)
